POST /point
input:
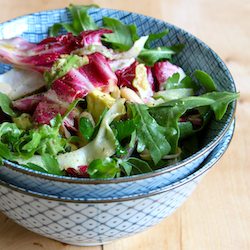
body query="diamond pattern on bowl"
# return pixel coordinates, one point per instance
(89, 221)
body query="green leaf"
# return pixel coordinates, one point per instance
(124, 165)
(150, 134)
(153, 37)
(138, 166)
(102, 169)
(56, 122)
(51, 165)
(6, 104)
(72, 106)
(15, 142)
(86, 128)
(35, 140)
(123, 37)
(186, 129)
(124, 129)
(97, 126)
(9, 133)
(150, 56)
(221, 102)
(11, 130)
(168, 113)
(81, 20)
(172, 94)
(189, 146)
(34, 167)
(120, 150)
(5, 152)
(205, 80)
(187, 82)
(58, 26)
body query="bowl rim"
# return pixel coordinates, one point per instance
(204, 167)
(157, 172)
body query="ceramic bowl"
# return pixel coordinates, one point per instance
(195, 56)
(89, 223)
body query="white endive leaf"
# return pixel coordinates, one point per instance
(22, 82)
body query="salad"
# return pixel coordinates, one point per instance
(98, 102)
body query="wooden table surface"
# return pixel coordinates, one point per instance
(217, 215)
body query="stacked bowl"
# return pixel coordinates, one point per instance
(82, 211)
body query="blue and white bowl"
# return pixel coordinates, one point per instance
(195, 56)
(87, 223)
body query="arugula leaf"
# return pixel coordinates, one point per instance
(72, 106)
(81, 20)
(5, 105)
(138, 166)
(150, 134)
(167, 114)
(205, 80)
(133, 166)
(186, 82)
(153, 37)
(124, 35)
(221, 102)
(189, 146)
(186, 129)
(102, 169)
(150, 56)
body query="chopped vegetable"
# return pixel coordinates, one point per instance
(98, 102)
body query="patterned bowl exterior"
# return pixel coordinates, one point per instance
(195, 56)
(86, 223)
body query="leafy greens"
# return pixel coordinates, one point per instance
(129, 138)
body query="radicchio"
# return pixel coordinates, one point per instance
(80, 172)
(28, 104)
(41, 56)
(164, 70)
(77, 83)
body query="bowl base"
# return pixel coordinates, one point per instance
(84, 244)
